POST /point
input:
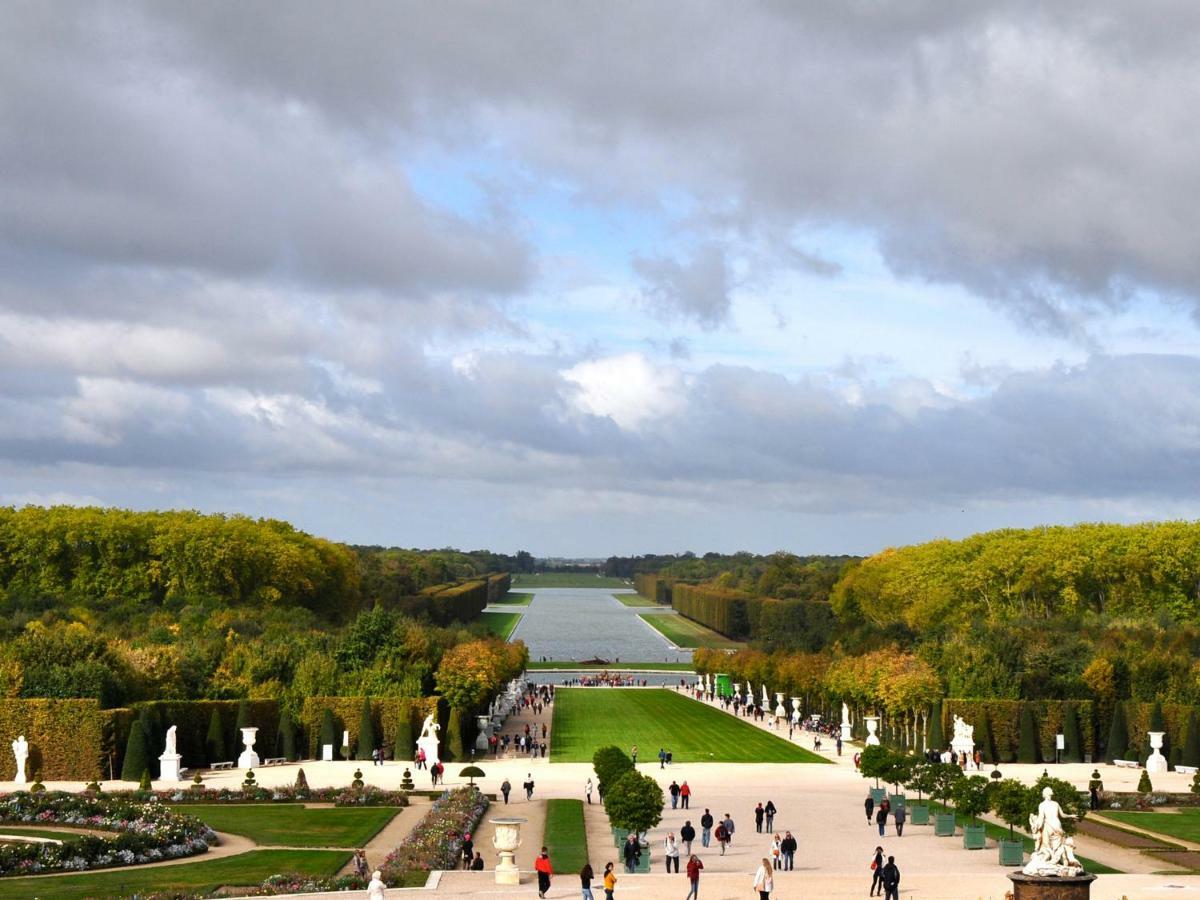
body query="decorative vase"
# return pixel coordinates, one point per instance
(506, 840)
(248, 758)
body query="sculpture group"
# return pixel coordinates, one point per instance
(1053, 849)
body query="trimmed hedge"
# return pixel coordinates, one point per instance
(1004, 718)
(68, 739)
(737, 615)
(721, 609)
(392, 713)
(193, 718)
(444, 604)
(497, 586)
(659, 588)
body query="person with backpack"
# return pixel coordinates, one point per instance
(891, 880)
(505, 789)
(770, 811)
(722, 836)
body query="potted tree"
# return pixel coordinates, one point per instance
(944, 777)
(898, 771)
(1013, 802)
(876, 762)
(610, 763)
(920, 779)
(970, 799)
(635, 803)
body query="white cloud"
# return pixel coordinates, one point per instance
(628, 389)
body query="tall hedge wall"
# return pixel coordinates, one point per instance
(457, 602)
(66, 738)
(720, 609)
(1004, 717)
(191, 718)
(809, 623)
(387, 712)
(498, 585)
(658, 588)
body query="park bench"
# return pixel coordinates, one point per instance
(223, 765)
(275, 761)
(1186, 770)
(1126, 763)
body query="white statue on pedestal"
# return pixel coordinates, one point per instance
(169, 761)
(428, 741)
(964, 740)
(1053, 851)
(846, 727)
(248, 758)
(20, 748)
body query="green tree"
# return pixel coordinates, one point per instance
(214, 740)
(921, 778)
(634, 802)
(1118, 734)
(454, 735)
(937, 737)
(1191, 743)
(1013, 802)
(366, 731)
(971, 797)
(944, 777)
(329, 735)
(1144, 785)
(610, 763)
(876, 762)
(1028, 749)
(137, 753)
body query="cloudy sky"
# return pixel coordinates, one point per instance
(592, 278)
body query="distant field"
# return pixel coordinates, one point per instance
(636, 600)
(566, 580)
(618, 667)
(685, 633)
(501, 624)
(586, 719)
(513, 600)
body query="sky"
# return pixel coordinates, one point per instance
(599, 278)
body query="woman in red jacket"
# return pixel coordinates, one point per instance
(544, 871)
(693, 873)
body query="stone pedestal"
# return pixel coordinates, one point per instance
(169, 767)
(248, 759)
(964, 745)
(327, 752)
(1040, 887)
(506, 840)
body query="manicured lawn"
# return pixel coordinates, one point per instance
(200, 877)
(1184, 824)
(636, 600)
(499, 624)
(39, 832)
(685, 633)
(291, 825)
(566, 580)
(565, 835)
(619, 667)
(586, 719)
(513, 600)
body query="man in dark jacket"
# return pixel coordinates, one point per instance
(687, 834)
(891, 880)
(632, 852)
(759, 812)
(706, 824)
(869, 804)
(788, 847)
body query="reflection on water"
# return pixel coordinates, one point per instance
(587, 623)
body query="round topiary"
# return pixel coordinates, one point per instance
(406, 782)
(357, 783)
(197, 782)
(93, 787)
(248, 783)
(37, 787)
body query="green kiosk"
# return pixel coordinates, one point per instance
(724, 687)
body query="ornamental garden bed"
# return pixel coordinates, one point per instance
(141, 832)
(436, 842)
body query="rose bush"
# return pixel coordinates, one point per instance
(436, 842)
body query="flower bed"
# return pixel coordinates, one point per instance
(142, 832)
(436, 842)
(367, 796)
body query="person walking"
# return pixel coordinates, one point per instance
(722, 837)
(759, 815)
(528, 785)
(891, 880)
(729, 829)
(838, 743)
(900, 816)
(770, 810)
(505, 789)
(674, 791)
(633, 753)
(585, 881)
(468, 850)
(632, 852)
(776, 852)
(687, 834)
(671, 852)
(662, 758)
(706, 824)
(693, 873)
(877, 871)
(764, 879)
(881, 816)
(376, 889)
(869, 805)
(610, 881)
(544, 871)
(788, 846)
(685, 794)
(587, 789)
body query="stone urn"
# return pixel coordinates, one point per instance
(485, 732)
(1156, 762)
(506, 840)
(796, 709)
(780, 711)
(872, 727)
(248, 759)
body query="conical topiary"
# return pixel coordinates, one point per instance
(301, 783)
(366, 731)
(1191, 743)
(404, 745)
(937, 737)
(154, 731)
(1144, 785)
(214, 740)
(983, 738)
(144, 781)
(137, 754)
(1027, 746)
(1071, 735)
(1118, 734)
(285, 741)
(328, 733)
(406, 782)
(454, 735)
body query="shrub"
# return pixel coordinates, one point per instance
(301, 785)
(1027, 748)
(921, 778)
(1144, 785)
(937, 738)
(1196, 783)
(1118, 734)
(876, 761)
(197, 782)
(366, 732)
(970, 796)
(610, 763)
(1013, 802)
(137, 754)
(144, 781)
(214, 740)
(945, 776)
(634, 802)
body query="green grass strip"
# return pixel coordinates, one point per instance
(637, 600)
(566, 835)
(567, 580)
(293, 825)
(586, 719)
(1184, 825)
(685, 633)
(501, 624)
(245, 869)
(513, 600)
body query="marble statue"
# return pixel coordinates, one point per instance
(170, 748)
(20, 748)
(428, 741)
(1053, 850)
(847, 728)
(963, 732)
(169, 761)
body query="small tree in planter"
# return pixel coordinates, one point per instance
(875, 762)
(945, 775)
(1013, 802)
(897, 771)
(921, 780)
(970, 799)
(634, 802)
